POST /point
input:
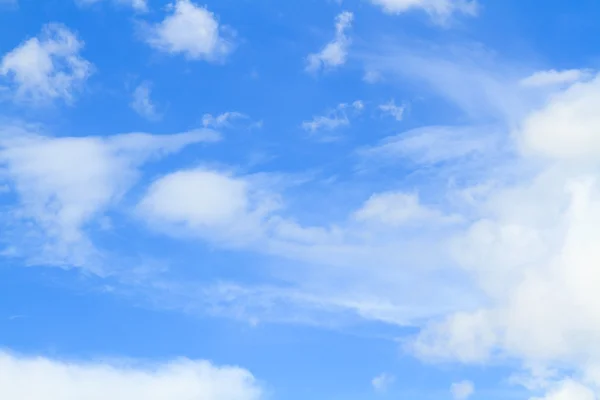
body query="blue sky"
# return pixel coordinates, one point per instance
(326, 199)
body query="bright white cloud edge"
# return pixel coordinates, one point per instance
(40, 378)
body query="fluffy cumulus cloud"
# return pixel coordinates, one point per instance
(43, 378)
(437, 8)
(532, 250)
(566, 128)
(335, 53)
(568, 390)
(64, 183)
(531, 208)
(191, 30)
(47, 67)
(210, 203)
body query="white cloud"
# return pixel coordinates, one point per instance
(335, 52)
(397, 209)
(462, 390)
(246, 212)
(569, 390)
(441, 9)
(566, 128)
(191, 30)
(221, 120)
(47, 67)
(531, 249)
(371, 76)
(224, 198)
(358, 105)
(37, 378)
(64, 183)
(137, 5)
(393, 110)
(142, 103)
(531, 243)
(553, 77)
(336, 118)
(209, 203)
(434, 144)
(382, 382)
(475, 81)
(327, 122)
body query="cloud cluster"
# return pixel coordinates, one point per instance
(63, 184)
(531, 248)
(510, 248)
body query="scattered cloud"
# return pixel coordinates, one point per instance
(566, 127)
(393, 110)
(64, 183)
(329, 122)
(248, 213)
(222, 120)
(462, 390)
(482, 88)
(397, 209)
(207, 203)
(137, 5)
(382, 382)
(336, 118)
(553, 77)
(142, 103)
(37, 378)
(440, 9)
(10, 3)
(190, 30)
(45, 68)
(568, 390)
(335, 52)
(372, 76)
(530, 249)
(435, 144)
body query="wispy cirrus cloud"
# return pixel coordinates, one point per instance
(440, 10)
